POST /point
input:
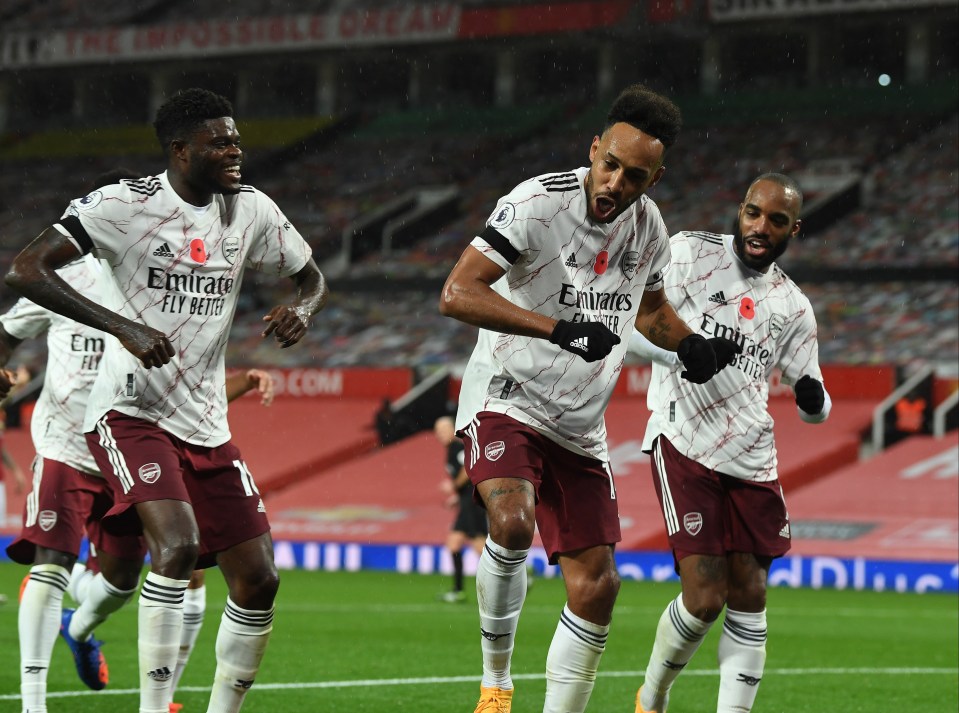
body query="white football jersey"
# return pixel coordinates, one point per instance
(560, 263)
(724, 424)
(177, 269)
(73, 355)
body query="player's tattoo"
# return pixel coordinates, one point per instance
(522, 486)
(711, 569)
(659, 330)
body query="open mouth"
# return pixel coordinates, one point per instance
(604, 207)
(756, 247)
(232, 173)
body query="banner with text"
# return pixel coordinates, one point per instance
(340, 383)
(734, 10)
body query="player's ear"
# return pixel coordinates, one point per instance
(656, 176)
(795, 229)
(593, 148)
(178, 149)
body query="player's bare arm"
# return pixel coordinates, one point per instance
(658, 322)
(288, 323)
(238, 384)
(33, 274)
(8, 343)
(468, 297)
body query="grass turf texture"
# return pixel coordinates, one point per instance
(374, 642)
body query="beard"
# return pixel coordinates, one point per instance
(759, 264)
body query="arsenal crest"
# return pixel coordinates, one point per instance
(629, 262)
(693, 522)
(494, 450)
(776, 324)
(231, 246)
(47, 519)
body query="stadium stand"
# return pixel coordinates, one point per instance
(902, 504)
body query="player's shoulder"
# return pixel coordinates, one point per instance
(126, 189)
(147, 186)
(783, 282)
(249, 197)
(547, 188)
(698, 237)
(562, 182)
(697, 243)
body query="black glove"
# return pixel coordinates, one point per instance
(726, 351)
(590, 340)
(810, 395)
(697, 355)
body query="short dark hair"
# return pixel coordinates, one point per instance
(783, 180)
(185, 112)
(647, 111)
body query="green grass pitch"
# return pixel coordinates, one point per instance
(375, 642)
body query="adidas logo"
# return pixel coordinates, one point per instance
(580, 344)
(571, 261)
(160, 674)
(163, 251)
(261, 507)
(719, 298)
(785, 531)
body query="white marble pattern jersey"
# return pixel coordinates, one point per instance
(73, 355)
(177, 270)
(560, 263)
(725, 424)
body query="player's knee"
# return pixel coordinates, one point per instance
(123, 579)
(593, 596)
(512, 529)
(607, 587)
(706, 603)
(176, 558)
(747, 597)
(256, 589)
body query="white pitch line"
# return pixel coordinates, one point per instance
(520, 676)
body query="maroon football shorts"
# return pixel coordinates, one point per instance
(575, 495)
(710, 513)
(143, 463)
(62, 502)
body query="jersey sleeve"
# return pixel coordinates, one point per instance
(642, 347)
(97, 222)
(799, 353)
(506, 237)
(277, 248)
(677, 269)
(661, 261)
(25, 320)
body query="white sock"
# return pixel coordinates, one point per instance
(678, 636)
(742, 658)
(500, 593)
(80, 580)
(100, 601)
(39, 624)
(160, 619)
(572, 662)
(240, 644)
(194, 607)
